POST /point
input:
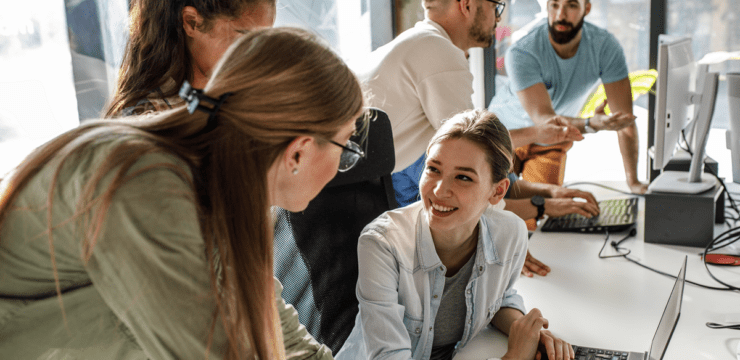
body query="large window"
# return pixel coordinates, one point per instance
(713, 28)
(37, 95)
(351, 27)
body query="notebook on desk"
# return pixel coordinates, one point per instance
(616, 215)
(662, 335)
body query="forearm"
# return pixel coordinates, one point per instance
(504, 318)
(630, 150)
(523, 208)
(524, 189)
(522, 137)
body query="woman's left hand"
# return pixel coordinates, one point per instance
(532, 265)
(556, 348)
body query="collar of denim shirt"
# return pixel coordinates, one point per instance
(427, 254)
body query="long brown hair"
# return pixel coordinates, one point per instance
(157, 46)
(285, 84)
(483, 129)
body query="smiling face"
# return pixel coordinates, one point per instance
(565, 18)
(456, 187)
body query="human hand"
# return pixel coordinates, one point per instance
(637, 187)
(555, 348)
(532, 265)
(615, 121)
(564, 206)
(563, 192)
(557, 130)
(524, 335)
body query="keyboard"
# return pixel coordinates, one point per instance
(616, 215)
(584, 353)
(599, 354)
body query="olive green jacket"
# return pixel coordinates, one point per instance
(145, 291)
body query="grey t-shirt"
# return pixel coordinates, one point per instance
(450, 320)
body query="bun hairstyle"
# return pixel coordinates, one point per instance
(484, 129)
(285, 83)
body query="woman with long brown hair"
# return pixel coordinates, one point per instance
(172, 41)
(151, 238)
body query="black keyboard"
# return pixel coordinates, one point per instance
(616, 215)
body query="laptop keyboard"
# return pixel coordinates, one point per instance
(616, 215)
(584, 353)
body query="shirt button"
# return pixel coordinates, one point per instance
(441, 268)
(435, 296)
(418, 331)
(430, 328)
(470, 321)
(469, 291)
(481, 268)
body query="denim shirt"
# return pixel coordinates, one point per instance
(401, 280)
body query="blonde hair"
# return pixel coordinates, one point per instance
(483, 129)
(285, 84)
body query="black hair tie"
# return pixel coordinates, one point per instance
(194, 97)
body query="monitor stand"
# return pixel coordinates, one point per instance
(677, 182)
(695, 181)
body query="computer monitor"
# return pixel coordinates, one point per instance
(676, 98)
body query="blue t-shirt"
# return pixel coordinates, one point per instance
(569, 82)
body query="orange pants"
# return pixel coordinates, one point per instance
(541, 164)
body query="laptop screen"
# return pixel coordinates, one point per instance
(669, 319)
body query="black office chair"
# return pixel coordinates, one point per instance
(316, 249)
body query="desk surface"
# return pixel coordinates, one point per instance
(612, 303)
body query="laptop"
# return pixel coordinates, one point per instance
(616, 215)
(662, 335)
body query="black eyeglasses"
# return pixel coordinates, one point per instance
(500, 5)
(351, 154)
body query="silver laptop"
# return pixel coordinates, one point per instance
(662, 335)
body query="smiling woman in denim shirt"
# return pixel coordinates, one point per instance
(435, 273)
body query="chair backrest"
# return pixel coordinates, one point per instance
(316, 249)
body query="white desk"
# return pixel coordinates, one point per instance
(612, 303)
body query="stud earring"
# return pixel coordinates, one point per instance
(295, 171)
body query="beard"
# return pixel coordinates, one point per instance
(478, 34)
(564, 37)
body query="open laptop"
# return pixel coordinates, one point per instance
(662, 335)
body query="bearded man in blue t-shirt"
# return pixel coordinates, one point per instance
(552, 71)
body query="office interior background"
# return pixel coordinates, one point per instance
(59, 60)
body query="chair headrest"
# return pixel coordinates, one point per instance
(380, 159)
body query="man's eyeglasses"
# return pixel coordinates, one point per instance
(500, 5)
(351, 154)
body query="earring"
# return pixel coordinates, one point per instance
(295, 171)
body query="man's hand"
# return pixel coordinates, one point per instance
(557, 130)
(524, 335)
(563, 192)
(616, 121)
(532, 265)
(637, 187)
(561, 207)
(556, 348)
